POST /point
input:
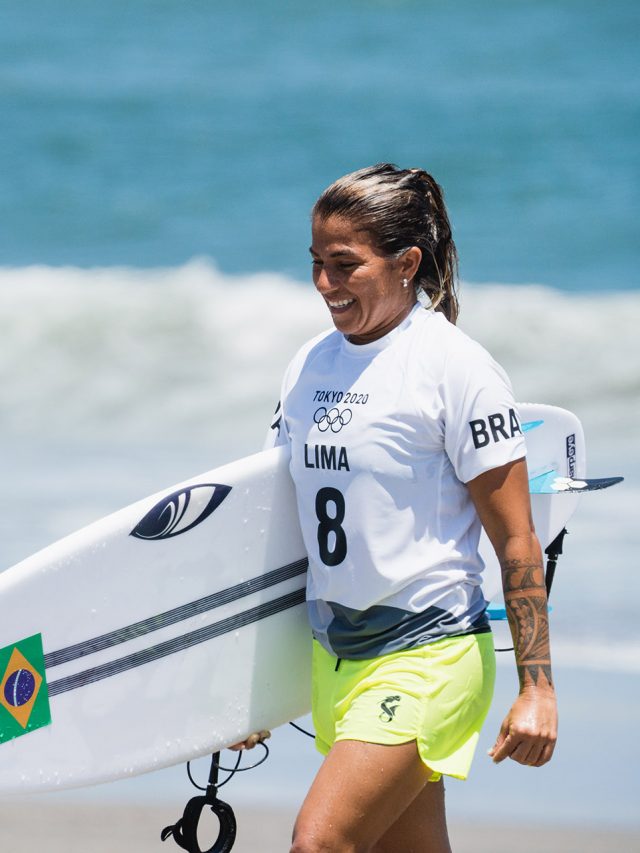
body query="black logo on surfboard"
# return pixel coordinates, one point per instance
(181, 511)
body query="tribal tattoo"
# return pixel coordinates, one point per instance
(526, 603)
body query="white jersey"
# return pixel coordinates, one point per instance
(383, 437)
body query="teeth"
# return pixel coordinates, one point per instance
(340, 304)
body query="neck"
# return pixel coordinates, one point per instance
(369, 337)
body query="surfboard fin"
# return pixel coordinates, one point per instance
(551, 483)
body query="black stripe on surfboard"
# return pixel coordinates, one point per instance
(177, 614)
(177, 644)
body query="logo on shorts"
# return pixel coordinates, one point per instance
(388, 710)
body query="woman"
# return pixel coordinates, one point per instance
(404, 438)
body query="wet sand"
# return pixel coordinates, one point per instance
(110, 828)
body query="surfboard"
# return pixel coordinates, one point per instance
(177, 626)
(556, 457)
(160, 633)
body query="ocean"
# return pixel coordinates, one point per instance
(159, 163)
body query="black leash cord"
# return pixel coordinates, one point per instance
(304, 731)
(185, 830)
(231, 770)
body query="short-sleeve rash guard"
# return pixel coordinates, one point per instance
(383, 438)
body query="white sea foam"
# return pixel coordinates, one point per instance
(191, 350)
(148, 353)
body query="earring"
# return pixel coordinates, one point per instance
(405, 282)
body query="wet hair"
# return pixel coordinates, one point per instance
(401, 208)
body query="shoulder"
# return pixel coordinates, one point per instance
(463, 356)
(449, 351)
(461, 372)
(454, 340)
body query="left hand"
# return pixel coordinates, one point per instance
(529, 731)
(251, 741)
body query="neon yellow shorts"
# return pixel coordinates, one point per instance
(437, 694)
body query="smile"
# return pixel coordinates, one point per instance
(341, 304)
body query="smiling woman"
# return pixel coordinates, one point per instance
(358, 282)
(403, 664)
(394, 223)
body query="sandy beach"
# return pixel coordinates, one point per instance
(27, 827)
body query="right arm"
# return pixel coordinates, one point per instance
(501, 496)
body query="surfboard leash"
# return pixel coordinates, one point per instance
(185, 830)
(300, 729)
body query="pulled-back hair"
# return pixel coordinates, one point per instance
(401, 208)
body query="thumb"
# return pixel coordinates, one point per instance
(504, 749)
(503, 734)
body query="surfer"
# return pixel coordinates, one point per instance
(404, 438)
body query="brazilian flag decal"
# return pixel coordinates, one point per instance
(24, 701)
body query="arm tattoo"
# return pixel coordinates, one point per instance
(526, 604)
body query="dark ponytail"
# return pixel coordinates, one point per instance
(401, 208)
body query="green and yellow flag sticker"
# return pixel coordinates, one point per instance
(24, 699)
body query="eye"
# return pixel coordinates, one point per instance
(180, 511)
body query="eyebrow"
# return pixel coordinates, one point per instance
(338, 253)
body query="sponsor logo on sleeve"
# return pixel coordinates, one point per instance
(494, 428)
(24, 700)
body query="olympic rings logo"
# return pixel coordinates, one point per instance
(334, 419)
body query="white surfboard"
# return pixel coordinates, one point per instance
(169, 629)
(177, 626)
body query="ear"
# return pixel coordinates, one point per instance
(409, 262)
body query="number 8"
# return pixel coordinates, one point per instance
(331, 524)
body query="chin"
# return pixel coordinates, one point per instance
(344, 328)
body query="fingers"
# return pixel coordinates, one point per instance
(540, 755)
(528, 733)
(497, 750)
(525, 749)
(527, 753)
(251, 741)
(256, 738)
(546, 754)
(503, 748)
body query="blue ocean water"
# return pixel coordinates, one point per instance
(151, 131)
(159, 162)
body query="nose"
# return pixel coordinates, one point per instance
(322, 281)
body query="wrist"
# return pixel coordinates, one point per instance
(537, 689)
